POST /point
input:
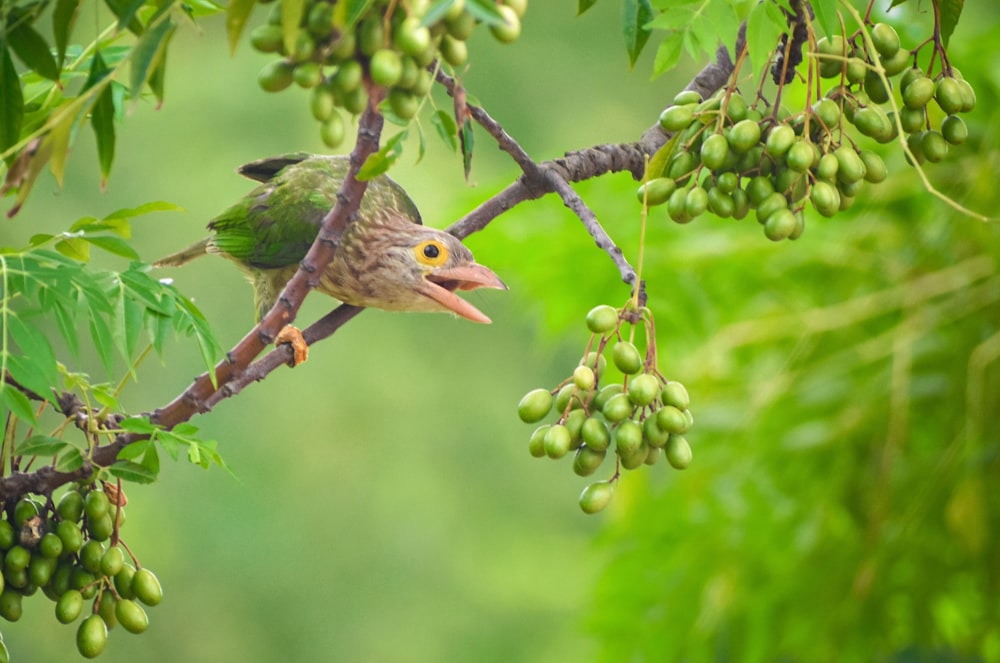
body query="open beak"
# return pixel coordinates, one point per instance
(441, 284)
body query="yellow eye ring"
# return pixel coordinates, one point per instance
(432, 252)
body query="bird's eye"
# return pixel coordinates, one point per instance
(432, 252)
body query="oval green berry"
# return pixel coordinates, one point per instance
(131, 616)
(92, 636)
(744, 135)
(954, 130)
(617, 408)
(678, 452)
(643, 389)
(602, 319)
(596, 496)
(69, 606)
(534, 405)
(714, 151)
(676, 118)
(780, 225)
(885, 39)
(626, 357)
(536, 447)
(557, 443)
(146, 587)
(595, 434)
(587, 460)
(918, 93)
(656, 191)
(628, 438)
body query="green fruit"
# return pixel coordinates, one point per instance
(918, 93)
(371, 36)
(267, 38)
(355, 101)
(41, 569)
(595, 361)
(323, 103)
(574, 422)
(720, 203)
(101, 528)
(656, 191)
(677, 206)
(652, 455)
(342, 47)
(596, 496)
(131, 616)
(678, 452)
(680, 166)
(714, 150)
(915, 145)
(617, 408)
(92, 636)
(565, 398)
(826, 167)
(685, 97)
(760, 187)
(948, 95)
(307, 75)
(72, 537)
(626, 357)
(461, 26)
(411, 37)
(51, 545)
(274, 76)
(828, 112)
(875, 170)
(628, 437)
(780, 225)
(676, 394)
(584, 378)
(112, 562)
(24, 510)
(874, 123)
(643, 389)
(595, 435)
(771, 205)
(897, 63)
(69, 606)
(676, 118)
(651, 432)
(510, 28)
(856, 70)
(912, 119)
(333, 131)
(403, 103)
(90, 556)
(536, 447)
(954, 130)
(801, 157)
(70, 506)
(885, 39)
(105, 607)
(454, 51)
(320, 20)
(744, 135)
(696, 201)
(348, 77)
(17, 558)
(779, 140)
(825, 198)
(605, 394)
(736, 108)
(852, 168)
(670, 419)
(875, 88)
(385, 67)
(587, 460)
(147, 588)
(62, 577)
(934, 146)
(535, 405)
(557, 443)
(10, 604)
(123, 581)
(8, 536)
(727, 182)
(968, 95)
(304, 47)
(741, 204)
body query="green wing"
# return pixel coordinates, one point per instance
(276, 223)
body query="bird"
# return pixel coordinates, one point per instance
(386, 258)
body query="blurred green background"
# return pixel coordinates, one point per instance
(842, 502)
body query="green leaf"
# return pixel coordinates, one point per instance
(135, 449)
(126, 470)
(149, 53)
(147, 208)
(18, 404)
(70, 461)
(467, 140)
(102, 117)
(126, 10)
(211, 351)
(32, 49)
(128, 324)
(484, 10)
(950, 11)
(75, 248)
(11, 100)
(114, 245)
(636, 14)
(237, 13)
(347, 13)
(378, 163)
(584, 5)
(765, 25)
(446, 128)
(138, 425)
(291, 19)
(41, 445)
(63, 19)
(668, 54)
(102, 337)
(826, 16)
(36, 349)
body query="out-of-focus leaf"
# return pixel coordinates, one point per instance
(102, 337)
(63, 19)
(36, 348)
(11, 99)
(59, 136)
(668, 54)
(146, 208)
(41, 445)
(115, 245)
(139, 425)
(378, 163)
(237, 13)
(126, 10)
(24, 171)
(446, 128)
(635, 15)
(291, 19)
(69, 461)
(584, 5)
(18, 404)
(951, 11)
(484, 10)
(148, 54)
(826, 15)
(75, 248)
(102, 116)
(126, 470)
(764, 25)
(32, 49)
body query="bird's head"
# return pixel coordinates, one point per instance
(387, 261)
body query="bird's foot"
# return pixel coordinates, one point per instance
(300, 349)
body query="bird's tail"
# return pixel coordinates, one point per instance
(184, 256)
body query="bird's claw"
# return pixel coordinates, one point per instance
(300, 349)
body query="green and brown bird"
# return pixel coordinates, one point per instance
(386, 259)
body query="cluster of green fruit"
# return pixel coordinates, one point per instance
(729, 157)
(391, 45)
(72, 554)
(641, 417)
